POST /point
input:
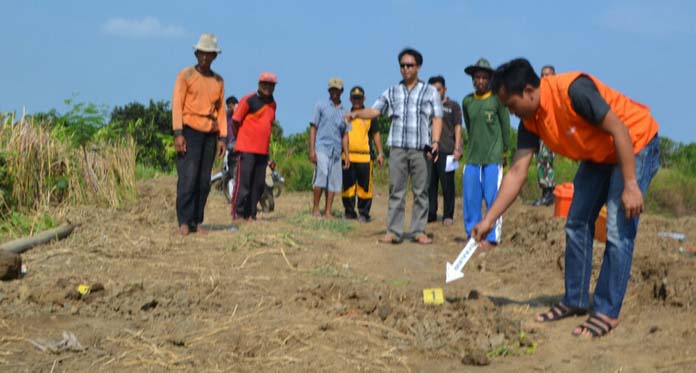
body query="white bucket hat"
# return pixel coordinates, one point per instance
(207, 43)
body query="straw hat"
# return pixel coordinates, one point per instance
(207, 43)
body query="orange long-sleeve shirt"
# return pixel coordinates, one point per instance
(199, 102)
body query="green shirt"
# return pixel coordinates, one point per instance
(487, 123)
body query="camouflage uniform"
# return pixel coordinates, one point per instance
(545, 175)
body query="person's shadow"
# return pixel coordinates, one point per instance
(220, 227)
(540, 301)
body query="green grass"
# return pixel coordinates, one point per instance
(672, 193)
(307, 221)
(144, 172)
(17, 224)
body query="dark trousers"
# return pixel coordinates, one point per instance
(250, 179)
(446, 180)
(357, 181)
(193, 169)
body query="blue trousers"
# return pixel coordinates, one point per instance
(481, 182)
(597, 184)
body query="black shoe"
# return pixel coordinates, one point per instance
(547, 199)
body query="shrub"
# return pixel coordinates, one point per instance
(47, 170)
(672, 192)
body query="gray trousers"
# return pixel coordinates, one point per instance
(405, 163)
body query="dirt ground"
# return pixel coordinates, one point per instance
(293, 293)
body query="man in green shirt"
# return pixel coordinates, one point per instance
(487, 124)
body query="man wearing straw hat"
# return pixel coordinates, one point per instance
(200, 130)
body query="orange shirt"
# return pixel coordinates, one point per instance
(567, 133)
(199, 102)
(256, 115)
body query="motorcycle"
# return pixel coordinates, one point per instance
(224, 181)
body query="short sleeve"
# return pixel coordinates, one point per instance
(436, 101)
(241, 110)
(587, 101)
(382, 103)
(316, 115)
(526, 139)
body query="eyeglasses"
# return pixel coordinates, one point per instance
(407, 65)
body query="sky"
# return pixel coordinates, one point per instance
(114, 53)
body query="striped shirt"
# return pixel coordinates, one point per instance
(411, 114)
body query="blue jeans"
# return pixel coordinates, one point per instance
(596, 184)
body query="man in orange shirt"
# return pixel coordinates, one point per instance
(252, 122)
(200, 130)
(615, 138)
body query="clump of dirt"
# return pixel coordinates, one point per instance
(468, 326)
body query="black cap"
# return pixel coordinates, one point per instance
(357, 91)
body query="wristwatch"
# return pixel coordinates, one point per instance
(459, 149)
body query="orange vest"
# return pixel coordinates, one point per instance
(567, 133)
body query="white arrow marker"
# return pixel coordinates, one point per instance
(454, 272)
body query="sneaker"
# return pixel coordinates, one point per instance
(362, 219)
(447, 221)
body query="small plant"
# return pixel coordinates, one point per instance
(309, 222)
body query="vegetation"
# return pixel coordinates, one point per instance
(88, 155)
(49, 160)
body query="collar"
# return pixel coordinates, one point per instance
(265, 99)
(483, 96)
(418, 82)
(340, 103)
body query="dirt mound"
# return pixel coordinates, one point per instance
(294, 293)
(466, 328)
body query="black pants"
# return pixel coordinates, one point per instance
(446, 180)
(251, 176)
(357, 180)
(193, 169)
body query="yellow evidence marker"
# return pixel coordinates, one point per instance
(433, 296)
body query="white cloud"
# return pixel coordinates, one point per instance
(148, 27)
(651, 19)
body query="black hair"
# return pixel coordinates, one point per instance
(231, 99)
(437, 79)
(514, 76)
(548, 67)
(416, 54)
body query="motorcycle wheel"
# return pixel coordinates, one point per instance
(227, 188)
(271, 202)
(266, 200)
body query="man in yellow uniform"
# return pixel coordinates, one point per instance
(358, 178)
